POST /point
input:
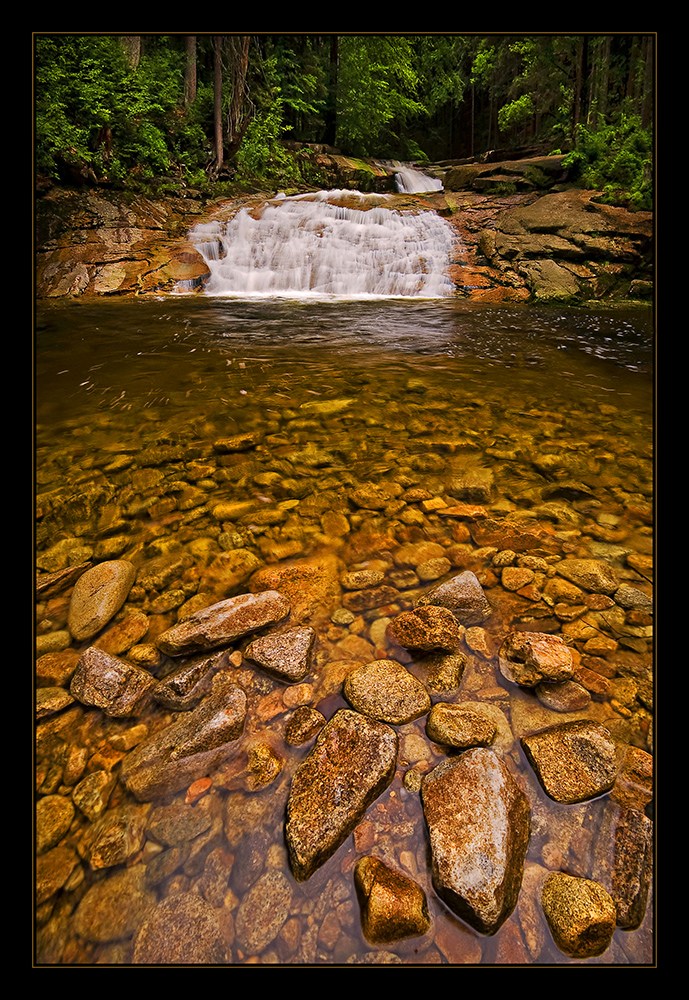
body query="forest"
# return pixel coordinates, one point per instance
(219, 114)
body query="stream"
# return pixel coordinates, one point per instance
(546, 413)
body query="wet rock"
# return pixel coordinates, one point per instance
(393, 906)
(359, 579)
(433, 569)
(224, 622)
(56, 669)
(263, 911)
(53, 818)
(50, 700)
(53, 870)
(98, 595)
(190, 748)
(426, 629)
(228, 571)
(375, 496)
(463, 595)
(117, 836)
(528, 658)
(236, 442)
(183, 929)
(49, 584)
(311, 585)
(178, 822)
(114, 908)
(385, 690)
(285, 655)
(623, 862)
(262, 767)
(573, 761)
(591, 574)
(478, 822)
(187, 684)
(580, 913)
(565, 696)
(121, 636)
(352, 762)
(633, 598)
(373, 597)
(92, 793)
(442, 672)
(303, 725)
(116, 687)
(453, 725)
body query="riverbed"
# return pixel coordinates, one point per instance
(475, 420)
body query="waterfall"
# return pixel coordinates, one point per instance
(342, 244)
(410, 181)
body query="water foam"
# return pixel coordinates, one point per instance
(333, 244)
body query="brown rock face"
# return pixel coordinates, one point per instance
(98, 595)
(286, 655)
(479, 824)
(393, 906)
(455, 726)
(191, 748)
(574, 761)
(527, 658)
(463, 595)
(580, 913)
(113, 685)
(224, 622)
(385, 690)
(352, 762)
(425, 629)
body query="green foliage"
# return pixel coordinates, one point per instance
(377, 87)
(515, 113)
(616, 159)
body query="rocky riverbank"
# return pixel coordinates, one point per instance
(524, 233)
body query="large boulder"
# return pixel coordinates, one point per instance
(223, 623)
(479, 824)
(352, 762)
(574, 761)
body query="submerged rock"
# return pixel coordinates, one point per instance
(393, 906)
(453, 725)
(182, 929)
(111, 684)
(385, 690)
(186, 685)
(479, 823)
(114, 908)
(190, 748)
(425, 629)
(580, 913)
(352, 762)
(98, 595)
(224, 622)
(463, 595)
(285, 655)
(528, 658)
(573, 761)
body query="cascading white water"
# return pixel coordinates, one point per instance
(410, 181)
(319, 245)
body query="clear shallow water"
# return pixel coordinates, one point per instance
(431, 385)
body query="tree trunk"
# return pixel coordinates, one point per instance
(217, 100)
(132, 49)
(579, 112)
(649, 81)
(190, 70)
(237, 118)
(330, 115)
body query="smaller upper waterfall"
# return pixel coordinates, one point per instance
(342, 244)
(411, 181)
